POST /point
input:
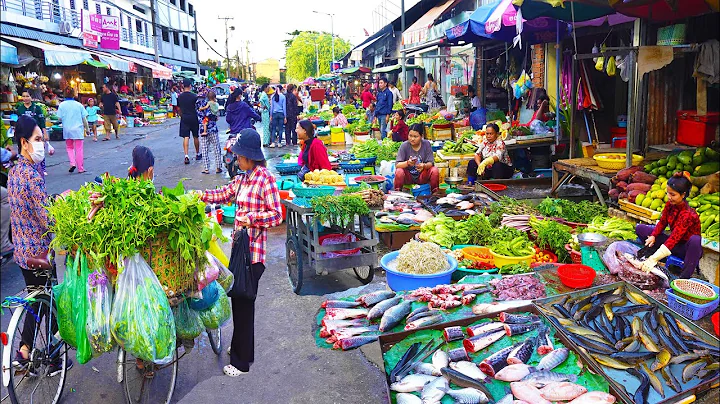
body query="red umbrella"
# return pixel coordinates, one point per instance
(665, 10)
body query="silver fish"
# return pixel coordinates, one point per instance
(344, 314)
(407, 398)
(469, 369)
(440, 359)
(508, 399)
(379, 309)
(342, 333)
(411, 383)
(375, 297)
(514, 373)
(545, 377)
(562, 391)
(434, 391)
(412, 317)
(423, 322)
(468, 395)
(394, 315)
(553, 359)
(417, 311)
(427, 369)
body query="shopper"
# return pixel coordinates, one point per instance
(279, 117)
(431, 94)
(684, 240)
(414, 91)
(92, 116)
(174, 99)
(6, 247)
(293, 108)
(189, 124)
(339, 120)
(383, 106)
(110, 105)
(34, 110)
(238, 114)
(74, 123)
(492, 154)
(258, 208)
(415, 163)
(313, 154)
(143, 164)
(399, 129)
(209, 138)
(367, 96)
(29, 226)
(395, 92)
(264, 102)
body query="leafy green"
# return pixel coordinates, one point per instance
(519, 246)
(552, 235)
(581, 212)
(475, 230)
(440, 230)
(508, 206)
(338, 210)
(515, 269)
(348, 109)
(612, 227)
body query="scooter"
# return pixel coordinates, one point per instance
(230, 159)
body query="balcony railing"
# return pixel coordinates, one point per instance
(41, 10)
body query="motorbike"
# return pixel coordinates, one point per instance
(230, 159)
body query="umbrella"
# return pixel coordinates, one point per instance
(565, 10)
(665, 10)
(8, 53)
(309, 81)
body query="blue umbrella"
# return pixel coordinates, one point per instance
(8, 54)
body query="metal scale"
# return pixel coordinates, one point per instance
(590, 255)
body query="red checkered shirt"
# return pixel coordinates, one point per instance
(683, 221)
(258, 199)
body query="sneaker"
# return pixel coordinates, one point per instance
(187, 160)
(55, 368)
(198, 156)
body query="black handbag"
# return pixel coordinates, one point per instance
(245, 285)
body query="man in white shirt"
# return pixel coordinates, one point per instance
(74, 123)
(395, 92)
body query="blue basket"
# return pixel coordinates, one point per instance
(689, 309)
(368, 161)
(310, 192)
(543, 172)
(288, 168)
(422, 190)
(436, 148)
(352, 166)
(402, 281)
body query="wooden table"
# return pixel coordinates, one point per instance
(586, 168)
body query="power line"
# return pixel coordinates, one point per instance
(211, 48)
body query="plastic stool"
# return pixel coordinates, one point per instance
(674, 261)
(619, 142)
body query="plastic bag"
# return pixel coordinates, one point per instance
(218, 253)
(611, 67)
(64, 300)
(206, 298)
(218, 313)
(610, 258)
(209, 273)
(226, 279)
(141, 319)
(187, 321)
(99, 293)
(80, 312)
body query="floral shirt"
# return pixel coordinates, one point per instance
(28, 215)
(494, 149)
(339, 121)
(257, 198)
(683, 220)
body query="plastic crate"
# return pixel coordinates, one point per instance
(309, 192)
(287, 168)
(691, 310)
(696, 130)
(352, 166)
(368, 161)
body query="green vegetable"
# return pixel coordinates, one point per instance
(349, 109)
(612, 227)
(514, 269)
(339, 210)
(439, 230)
(582, 212)
(511, 242)
(397, 106)
(218, 313)
(706, 168)
(509, 206)
(552, 235)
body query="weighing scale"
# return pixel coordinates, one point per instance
(590, 256)
(373, 180)
(452, 183)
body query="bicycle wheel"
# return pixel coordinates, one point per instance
(41, 378)
(146, 382)
(215, 337)
(294, 257)
(364, 274)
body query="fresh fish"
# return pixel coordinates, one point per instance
(508, 399)
(475, 291)
(427, 369)
(481, 328)
(380, 214)
(517, 329)
(440, 359)
(514, 373)
(687, 357)
(591, 345)
(339, 304)
(628, 310)
(423, 309)
(546, 377)
(410, 319)
(468, 395)
(379, 309)
(654, 381)
(394, 315)
(407, 398)
(668, 342)
(522, 353)
(508, 318)
(434, 391)
(458, 354)
(482, 341)
(562, 391)
(469, 369)
(594, 397)
(612, 363)
(632, 357)
(386, 219)
(495, 362)
(354, 342)
(487, 308)
(545, 344)
(331, 325)
(562, 310)
(412, 383)
(553, 359)
(343, 314)
(670, 379)
(407, 356)
(527, 392)
(640, 395)
(454, 333)
(692, 369)
(632, 346)
(423, 322)
(649, 344)
(370, 299)
(463, 380)
(342, 333)
(661, 360)
(636, 298)
(406, 221)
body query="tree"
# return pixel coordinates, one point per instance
(209, 63)
(300, 58)
(262, 80)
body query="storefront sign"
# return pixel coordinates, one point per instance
(104, 29)
(110, 32)
(90, 40)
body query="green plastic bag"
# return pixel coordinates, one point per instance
(80, 309)
(218, 313)
(187, 321)
(99, 294)
(64, 301)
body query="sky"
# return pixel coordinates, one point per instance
(265, 23)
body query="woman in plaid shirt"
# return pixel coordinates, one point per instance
(258, 208)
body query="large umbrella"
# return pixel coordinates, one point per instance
(8, 54)
(665, 10)
(565, 10)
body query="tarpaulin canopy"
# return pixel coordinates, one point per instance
(158, 71)
(394, 68)
(612, 19)
(308, 80)
(55, 55)
(665, 10)
(95, 63)
(567, 10)
(327, 77)
(113, 62)
(418, 32)
(8, 54)
(353, 70)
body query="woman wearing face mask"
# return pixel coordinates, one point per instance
(143, 164)
(29, 221)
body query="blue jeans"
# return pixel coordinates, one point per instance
(278, 129)
(383, 125)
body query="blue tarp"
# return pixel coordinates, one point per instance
(8, 54)
(56, 55)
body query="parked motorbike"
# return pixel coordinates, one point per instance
(230, 159)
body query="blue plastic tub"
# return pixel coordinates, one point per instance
(368, 161)
(402, 281)
(422, 190)
(543, 172)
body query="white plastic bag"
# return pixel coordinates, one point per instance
(387, 168)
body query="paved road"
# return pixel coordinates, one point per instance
(289, 368)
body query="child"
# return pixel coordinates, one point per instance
(400, 129)
(92, 117)
(212, 106)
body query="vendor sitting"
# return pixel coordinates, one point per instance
(491, 154)
(138, 111)
(684, 239)
(415, 161)
(313, 154)
(399, 129)
(338, 119)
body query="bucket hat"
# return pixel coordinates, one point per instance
(248, 145)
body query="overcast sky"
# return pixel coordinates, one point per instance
(265, 23)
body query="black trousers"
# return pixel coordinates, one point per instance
(290, 134)
(242, 347)
(28, 331)
(497, 171)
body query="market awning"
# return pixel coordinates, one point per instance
(326, 77)
(353, 70)
(394, 68)
(566, 10)
(55, 55)
(158, 71)
(418, 32)
(95, 63)
(663, 10)
(8, 54)
(356, 54)
(114, 62)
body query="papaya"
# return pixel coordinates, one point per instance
(685, 157)
(688, 167)
(706, 168)
(699, 156)
(654, 171)
(711, 154)
(639, 199)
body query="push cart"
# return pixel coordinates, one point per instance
(304, 250)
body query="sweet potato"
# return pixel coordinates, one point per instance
(625, 173)
(622, 186)
(639, 186)
(623, 195)
(642, 177)
(633, 194)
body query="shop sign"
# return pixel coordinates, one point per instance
(132, 67)
(104, 27)
(90, 40)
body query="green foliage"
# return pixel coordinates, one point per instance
(5, 141)
(300, 54)
(581, 212)
(339, 210)
(262, 80)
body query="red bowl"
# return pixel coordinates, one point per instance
(495, 187)
(576, 275)
(716, 323)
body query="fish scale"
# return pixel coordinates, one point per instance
(468, 395)
(553, 359)
(522, 353)
(379, 309)
(394, 315)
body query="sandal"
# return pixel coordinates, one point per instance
(232, 371)
(205, 172)
(218, 171)
(106, 139)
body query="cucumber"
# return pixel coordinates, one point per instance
(703, 208)
(693, 204)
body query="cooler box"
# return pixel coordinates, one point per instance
(317, 94)
(337, 136)
(694, 130)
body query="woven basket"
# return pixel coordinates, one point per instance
(175, 274)
(604, 160)
(694, 291)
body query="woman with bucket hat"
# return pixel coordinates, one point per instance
(258, 208)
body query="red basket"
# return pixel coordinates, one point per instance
(576, 276)
(575, 256)
(495, 187)
(337, 238)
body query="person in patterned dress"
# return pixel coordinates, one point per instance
(492, 154)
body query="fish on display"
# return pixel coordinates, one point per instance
(468, 395)
(463, 380)
(394, 315)
(654, 381)
(671, 380)
(481, 328)
(354, 342)
(514, 373)
(509, 318)
(641, 394)
(553, 359)
(508, 399)
(440, 359)
(527, 392)
(522, 353)
(495, 307)
(331, 325)
(594, 397)
(495, 362)
(423, 309)
(434, 391)
(545, 377)
(423, 322)
(562, 391)
(339, 304)
(343, 333)
(545, 345)
(427, 369)
(407, 398)
(516, 329)
(343, 314)
(482, 341)
(412, 383)
(370, 299)
(379, 309)
(458, 354)
(407, 356)
(692, 369)
(453, 333)
(469, 369)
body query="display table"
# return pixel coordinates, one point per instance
(586, 168)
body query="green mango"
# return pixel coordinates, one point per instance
(662, 162)
(685, 157)
(707, 168)
(662, 170)
(646, 202)
(673, 160)
(711, 154)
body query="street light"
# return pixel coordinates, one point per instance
(332, 32)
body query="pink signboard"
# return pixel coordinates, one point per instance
(110, 29)
(90, 40)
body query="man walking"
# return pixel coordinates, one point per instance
(383, 106)
(189, 123)
(74, 123)
(110, 106)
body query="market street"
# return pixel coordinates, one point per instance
(289, 367)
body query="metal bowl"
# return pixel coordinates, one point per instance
(454, 180)
(591, 239)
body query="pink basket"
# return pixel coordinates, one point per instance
(337, 238)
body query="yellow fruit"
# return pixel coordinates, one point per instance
(647, 201)
(656, 203)
(655, 187)
(639, 199)
(665, 199)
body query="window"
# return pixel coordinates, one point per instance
(165, 35)
(176, 38)
(97, 8)
(72, 4)
(182, 5)
(185, 42)
(193, 44)
(129, 20)
(137, 8)
(191, 9)
(107, 11)
(86, 6)
(138, 26)
(173, 2)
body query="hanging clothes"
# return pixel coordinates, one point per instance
(590, 98)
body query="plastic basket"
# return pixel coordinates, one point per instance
(352, 166)
(691, 310)
(671, 35)
(576, 276)
(502, 260)
(604, 160)
(403, 281)
(693, 290)
(368, 161)
(309, 192)
(287, 168)
(575, 256)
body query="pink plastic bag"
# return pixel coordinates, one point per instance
(209, 273)
(610, 258)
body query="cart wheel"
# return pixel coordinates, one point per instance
(364, 274)
(215, 337)
(293, 255)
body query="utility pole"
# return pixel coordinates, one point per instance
(154, 31)
(332, 32)
(247, 61)
(403, 73)
(227, 52)
(240, 72)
